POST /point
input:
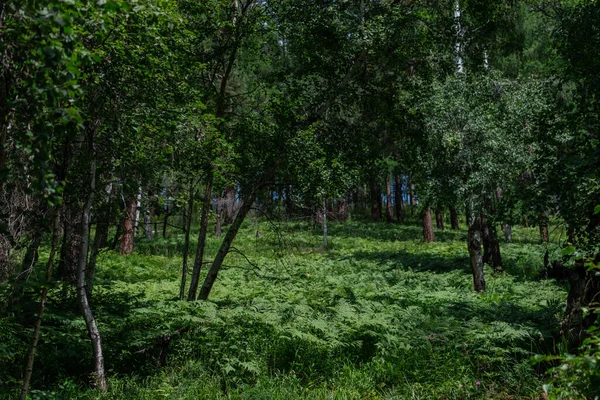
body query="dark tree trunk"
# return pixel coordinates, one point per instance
(399, 201)
(289, 201)
(324, 211)
(229, 204)
(474, 244)
(428, 235)
(413, 200)
(544, 235)
(375, 201)
(127, 237)
(27, 265)
(525, 222)
(186, 243)
(454, 219)
(508, 233)
(165, 222)
(201, 237)
(118, 231)
(225, 245)
(491, 246)
(439, 219)
(342, 212)
(485, 240)
(389, 210)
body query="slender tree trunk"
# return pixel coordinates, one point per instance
(127, 238)
(413, 200)
(439, 219)
(201, 237)
(218, 222)
(544, 235)
(508, 233)
(342, 210)
(389, 211)
(474, 244)
(27, 265)
(428, 235)
(148, 226)
(42, 309)
(138, 208)
(165, 222)
(225, 245)
(454, 219)
(118, 231)
(375, 201)
(289, 201)
(186, 243)
(324, 224)
(485, 240)
(398, 195)
(88, 316)
(100, 240)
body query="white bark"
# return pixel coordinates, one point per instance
(458, 44)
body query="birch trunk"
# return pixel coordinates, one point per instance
(82, 299)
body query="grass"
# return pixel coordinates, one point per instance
(376, 315)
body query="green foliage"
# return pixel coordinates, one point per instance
(379, 315)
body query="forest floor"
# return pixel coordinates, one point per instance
(377, 315)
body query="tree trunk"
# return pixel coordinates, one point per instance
(165, 222)
(201, 236)
(289, 201)
(439, 219)
(218, 222)
(375, 201)
(148, 226)
(230, 204)
(474, 244)
(42, 309)
(485, 240)
(127, 237)
(428, 235)
(186, 243)
(491, 247)
(342, 212)
(100, 240)
(389, 210)
(324, 224)
(225, 245)
(88, 316)
(398, 195)
(508, 233)
(454, 219)
(544, 235)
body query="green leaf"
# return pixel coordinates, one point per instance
(567, 251)
(597, 209)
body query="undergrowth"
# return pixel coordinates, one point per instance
(376, 315)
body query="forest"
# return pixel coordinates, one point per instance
(299, 199)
